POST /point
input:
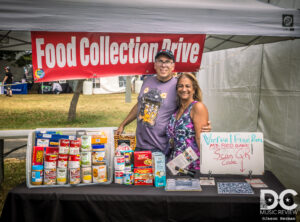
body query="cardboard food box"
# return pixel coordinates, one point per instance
(143, 176)
(142, 159)
(127, 138)
(159, 169)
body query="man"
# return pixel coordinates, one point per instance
(8, 80)
(156, 103)
(56, 88)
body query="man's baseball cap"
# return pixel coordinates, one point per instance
(7, 67)
(167, 53)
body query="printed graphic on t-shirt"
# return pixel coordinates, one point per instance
(151, 102)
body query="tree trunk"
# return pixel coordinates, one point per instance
(74, 101)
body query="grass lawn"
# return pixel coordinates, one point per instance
(51, 111)
(45, 111)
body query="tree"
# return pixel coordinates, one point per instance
(74, 101)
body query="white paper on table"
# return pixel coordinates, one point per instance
(182, 160)
(205, 181)
(256, 183)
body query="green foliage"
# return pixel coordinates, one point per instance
(24, 60)
(14, 174)
(10, 56)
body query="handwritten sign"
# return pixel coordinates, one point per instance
(232, 153)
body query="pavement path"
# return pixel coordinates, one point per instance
(10, 144)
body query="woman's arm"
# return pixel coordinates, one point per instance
(199, 115)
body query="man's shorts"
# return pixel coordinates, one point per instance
(7, 87)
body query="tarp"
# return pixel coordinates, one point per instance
(247, 17)
(257, 88)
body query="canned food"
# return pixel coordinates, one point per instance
(128, 158)
(64, 146)
(50, 161)
(128, 178)
(50, 176)
(52, 150)
(119, 177)
(75, 143)
(86, 159)
(74, 150)
(74, 161)
(86, 174)
(62, 161)
(37, 174)
(61, 176)
(99, 174)
(74, 174)
(119, 162)
(98, 156)
(86, 143)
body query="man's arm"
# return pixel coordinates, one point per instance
(130, 117)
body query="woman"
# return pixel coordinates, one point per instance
(185, 125)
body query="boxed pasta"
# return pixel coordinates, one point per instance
(143, 176)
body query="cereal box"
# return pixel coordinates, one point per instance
(142, 159)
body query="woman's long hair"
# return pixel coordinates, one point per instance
(198, 93)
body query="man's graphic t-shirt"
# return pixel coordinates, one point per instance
(157, 102)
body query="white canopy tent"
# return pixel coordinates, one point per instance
(258, 90)
(230, 17)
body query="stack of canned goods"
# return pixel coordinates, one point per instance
(71, 161)
(123, 163)
(74, 162)
(62, 161)
(99, 160)
(86, 165)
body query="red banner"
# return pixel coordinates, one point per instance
(83, 55)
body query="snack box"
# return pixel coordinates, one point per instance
(159, 169)
(50, 139)
(35, 153)
(99, 139)
(143, 176)
(142, 159)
